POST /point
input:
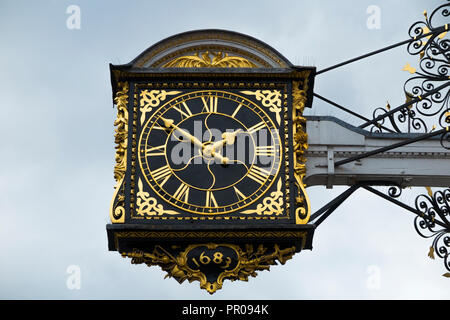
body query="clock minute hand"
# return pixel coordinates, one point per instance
(168, 123)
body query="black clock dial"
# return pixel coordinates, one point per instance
(210, 152)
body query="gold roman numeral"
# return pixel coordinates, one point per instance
(210, 104)
(256, 127)
(239, 194)
(162, 174)
(182, 192)
(236, 110)
(258, 174)
(268, 151)
(156, 151)
(186, 113)
(210, 200)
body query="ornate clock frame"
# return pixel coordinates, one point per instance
(210, 248)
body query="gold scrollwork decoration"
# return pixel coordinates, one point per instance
(151, 99)
(148, 206)
(247, 262)
(117, 210)
(272, 205)
(210, 60)
(270, 99)
(121, 132)
(299, 97)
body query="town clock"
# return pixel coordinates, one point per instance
(210, 141)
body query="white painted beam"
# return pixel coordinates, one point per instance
(422, 163)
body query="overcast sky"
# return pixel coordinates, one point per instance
(56, 172)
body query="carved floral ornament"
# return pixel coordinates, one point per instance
(210, 60)
(117, 210)
(232, 262)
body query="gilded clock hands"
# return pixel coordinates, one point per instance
(222, 159)
(228, 139)
(204, 150)
(168, 124)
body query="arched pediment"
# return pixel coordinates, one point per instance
(210, 48)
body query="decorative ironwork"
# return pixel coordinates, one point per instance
(434, 222)
(445, 139)
(395, 191)
(427, 91)
(432, 218)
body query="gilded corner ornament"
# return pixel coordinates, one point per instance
(149, 206)
(270, 99)
(117, 210)
(271, 205)
(151, 99)
(210, 60)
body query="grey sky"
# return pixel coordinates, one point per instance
(56, 172)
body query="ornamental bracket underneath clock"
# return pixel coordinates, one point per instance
(210, 143)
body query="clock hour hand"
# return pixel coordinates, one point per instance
(227, 138)
(168, 124)
(222, 159)
(230, 137)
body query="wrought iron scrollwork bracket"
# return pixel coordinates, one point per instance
(432, 214)
(432, 219)
(427, 91)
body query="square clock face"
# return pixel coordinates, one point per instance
(210, 152)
